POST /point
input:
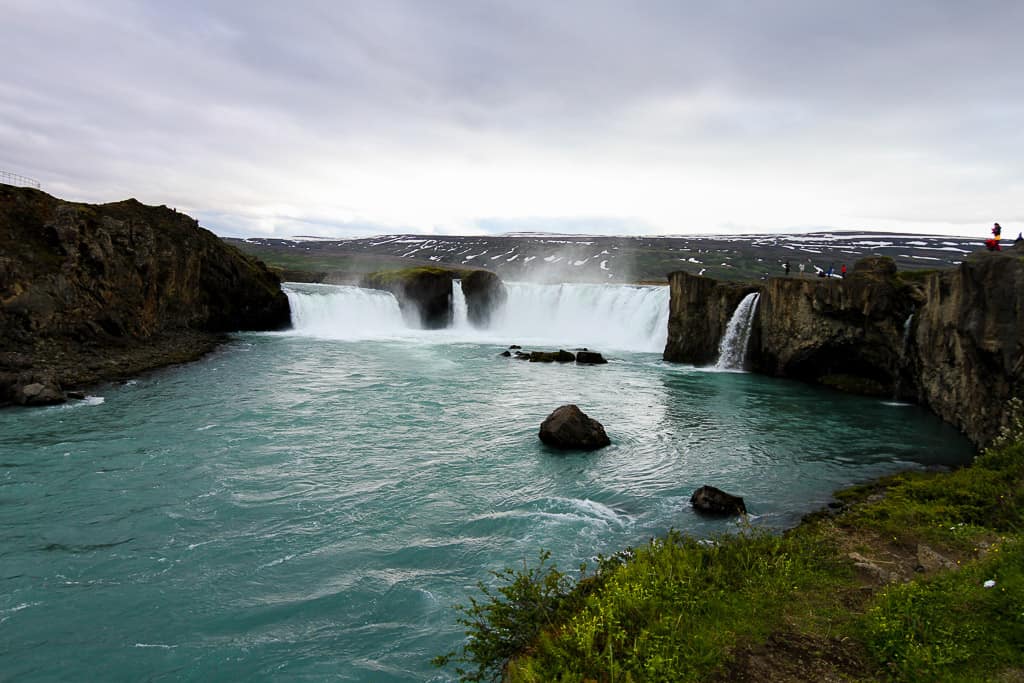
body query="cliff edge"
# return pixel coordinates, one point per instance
(98, 292)
(950, 340)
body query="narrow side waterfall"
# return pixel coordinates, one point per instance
(732, 350)
(901, 362)
(460, 310)
(602, 317)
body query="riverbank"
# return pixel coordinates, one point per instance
(919, 576)
(92, 293)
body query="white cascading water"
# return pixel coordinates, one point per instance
(460, 310)
(732, 350)
(344, 312)
(623, 317)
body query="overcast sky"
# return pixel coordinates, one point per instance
(357, 118)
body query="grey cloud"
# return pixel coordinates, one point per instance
(120, 95)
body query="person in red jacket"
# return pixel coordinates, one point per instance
(843, 271)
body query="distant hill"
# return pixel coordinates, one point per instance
(578, 258)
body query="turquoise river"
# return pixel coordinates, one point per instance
(308, 505)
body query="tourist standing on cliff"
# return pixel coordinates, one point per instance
(843, 271)
(785, 267)
(801, 270)
(993, 242)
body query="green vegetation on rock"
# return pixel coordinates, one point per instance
(919, 576)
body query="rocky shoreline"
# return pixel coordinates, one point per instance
(95, 293)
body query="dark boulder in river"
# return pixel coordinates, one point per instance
(713, 501)
(590, 357)
(101, 292)
(560, 356)
(569, 428)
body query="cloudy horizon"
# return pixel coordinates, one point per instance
(350, 119)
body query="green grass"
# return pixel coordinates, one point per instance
(681, 609)
(953, 627)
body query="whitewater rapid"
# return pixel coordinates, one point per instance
(619, 317)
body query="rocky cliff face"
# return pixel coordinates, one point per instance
(847, 333)
(950, 340)
(966, 347)
(699, 310)
(93, 292)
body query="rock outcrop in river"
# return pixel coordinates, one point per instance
(98, 292)
(425, 294)
(950, 340)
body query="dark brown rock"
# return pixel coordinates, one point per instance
(714, 501)
(590, 357)
(847, 333)
(485, 295)
(569, 428)
(560, 356)
(85, 288)
(424, 294)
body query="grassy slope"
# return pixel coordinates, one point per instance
(845, 596)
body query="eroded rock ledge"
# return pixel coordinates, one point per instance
(90, 293)
(424, 294)
(950, 340)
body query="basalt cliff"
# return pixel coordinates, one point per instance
(100, 292)
(950, 340)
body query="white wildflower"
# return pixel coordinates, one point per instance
(989, 584)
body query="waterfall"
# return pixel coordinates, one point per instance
(901, 361)
(460, 311)
(344, 312)
(624, 317)
(602, 317)
(732, 350)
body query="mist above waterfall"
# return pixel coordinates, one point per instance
(623, 317)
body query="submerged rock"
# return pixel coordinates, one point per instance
(569, 428)
(714, 501)
(560, 356)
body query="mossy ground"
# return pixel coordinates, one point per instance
(844, 596)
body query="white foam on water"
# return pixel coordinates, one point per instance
(159, 646)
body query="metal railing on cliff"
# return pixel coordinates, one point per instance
(9, 178)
